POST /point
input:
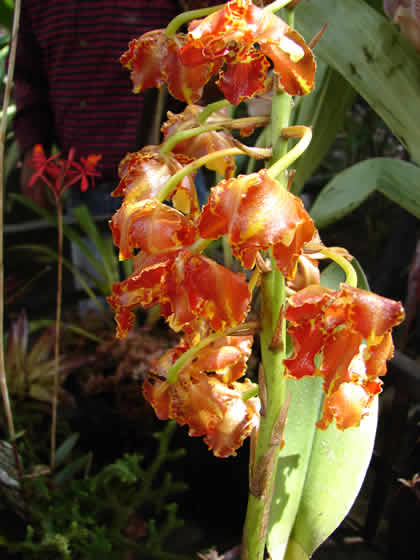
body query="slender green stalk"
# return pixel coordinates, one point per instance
(185, 17)
(181, 135)
(175, 179)
(6, 99)
(187, 356)
(351, 275)
(57, 329)
(212, 108)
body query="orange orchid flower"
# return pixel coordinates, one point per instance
(204, 143)
(187, 286)
(350, 329)
(144, 173)
(229, 36)
(256, 213)
(154, 59)
(226, 358)
(151, 226)
(210, 407)
(199, 287)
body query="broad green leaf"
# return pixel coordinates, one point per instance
(368, 50)
(398, 180)
(319, 472)
(324, 110)
(337, 468)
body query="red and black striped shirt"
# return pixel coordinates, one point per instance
(69, 85)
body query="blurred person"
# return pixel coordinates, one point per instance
(71, 90)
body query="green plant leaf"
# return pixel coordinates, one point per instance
(337, 468)
(109, 259)
(65, 449)
(319, 473)
(333, 96)
(376, 59)
(397, 180)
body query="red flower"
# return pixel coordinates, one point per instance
(256, 213)
(228, 36)
(154, 59)
(350, 329)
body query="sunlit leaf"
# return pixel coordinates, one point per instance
(370, 52)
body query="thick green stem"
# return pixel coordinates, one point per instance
(273, 343)
(267, 450)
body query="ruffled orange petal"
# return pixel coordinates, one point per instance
(144, 58)
(204, 143)
(199, 287)
(144, 173)
(256, 213)
(154, 59)
(144, 287)
(233, 30)
(226, 357)
(151, 226)
(245, 75)
(209, 408)
(348, 405)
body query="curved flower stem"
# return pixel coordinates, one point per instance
(191, 352)
(212, 108)
(185, 17)
(181, 135)
(57, 330)
(175, 179)
(305, 135)
(277, 5)
(351, 275)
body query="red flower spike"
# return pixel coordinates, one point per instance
(229, 35)
(144, 173)
(154, 59)
(209, 407)
(350, 330)
(204, 143)
(60, 174)
(256, 213)
(198, 287)
(151, 226)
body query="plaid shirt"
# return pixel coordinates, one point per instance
(69, 85)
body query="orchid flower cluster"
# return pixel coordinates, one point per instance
(340, 335)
